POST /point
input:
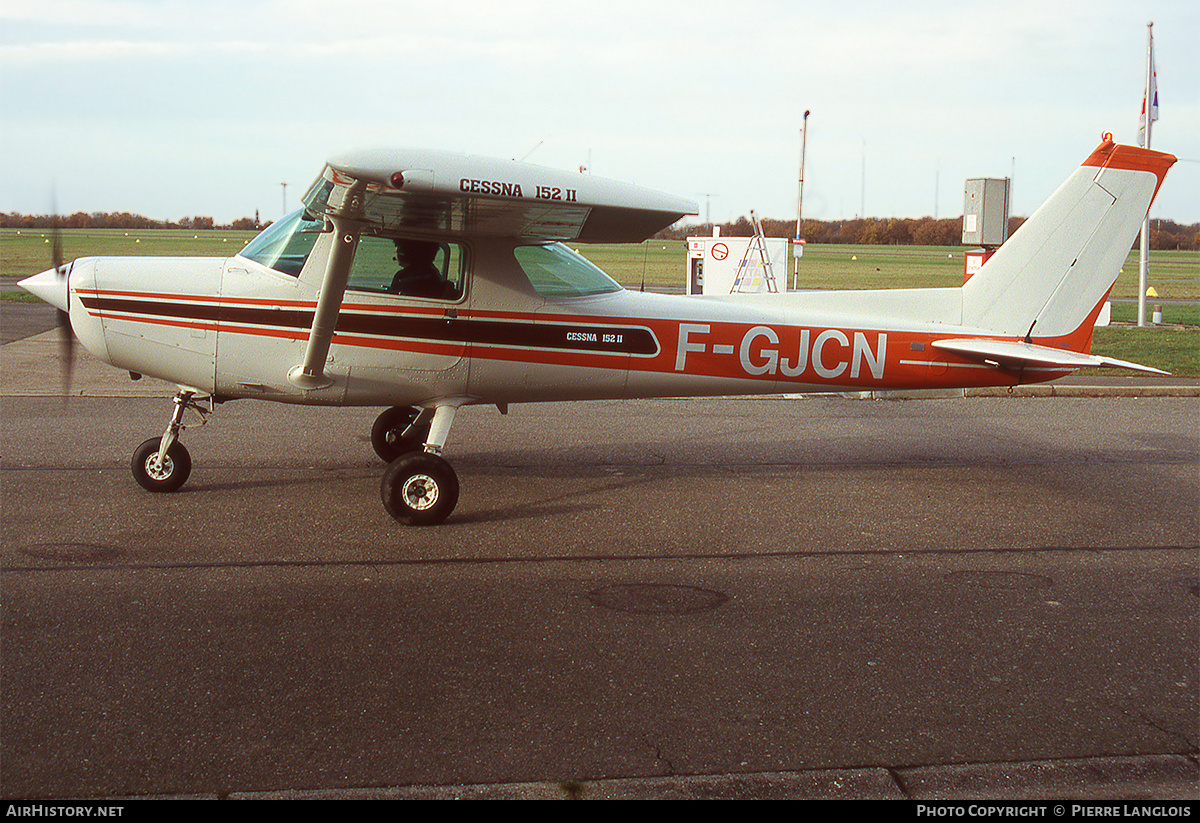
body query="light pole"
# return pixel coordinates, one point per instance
(800, 198)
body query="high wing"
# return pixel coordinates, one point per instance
(444, 193)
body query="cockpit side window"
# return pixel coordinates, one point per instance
(408, 267)
(286, 244)
(556, 271)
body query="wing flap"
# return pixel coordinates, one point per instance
(1013, 354)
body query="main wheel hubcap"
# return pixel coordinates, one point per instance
(420, 492)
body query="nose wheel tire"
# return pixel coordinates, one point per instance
(397, 432)
(419, 489)
(167, 477)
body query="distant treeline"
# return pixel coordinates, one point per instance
(902, 231)
(894, 231)
(119, 220)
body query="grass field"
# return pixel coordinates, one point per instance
(1175, 275)
(26, 252)
(660, 265)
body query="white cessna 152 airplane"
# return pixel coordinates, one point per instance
(488, 306)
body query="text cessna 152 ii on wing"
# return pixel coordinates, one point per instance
(489, 306)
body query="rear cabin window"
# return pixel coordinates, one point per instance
(557, 271)
(410, 268)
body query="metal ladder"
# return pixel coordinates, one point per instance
(746, 268)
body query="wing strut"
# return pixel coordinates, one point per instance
(347, 223)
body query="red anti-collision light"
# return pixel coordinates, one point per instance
(398, 179)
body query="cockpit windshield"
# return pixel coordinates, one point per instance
(286, 243)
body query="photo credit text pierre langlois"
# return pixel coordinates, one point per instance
(1055, 810)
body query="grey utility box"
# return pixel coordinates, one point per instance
(985, 212)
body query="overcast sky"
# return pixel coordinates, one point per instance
(172, 109)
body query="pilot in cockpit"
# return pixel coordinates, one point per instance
(417, 277)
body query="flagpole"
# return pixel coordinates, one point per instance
(1148, 118)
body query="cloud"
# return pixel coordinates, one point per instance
(696, 96)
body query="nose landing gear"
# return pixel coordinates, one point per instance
(162, 464)
(156, 472)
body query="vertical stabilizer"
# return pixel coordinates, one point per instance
(1048, 278)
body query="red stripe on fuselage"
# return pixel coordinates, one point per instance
(868, 359)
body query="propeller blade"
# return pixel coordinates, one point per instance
(64, 318)
(68, 351)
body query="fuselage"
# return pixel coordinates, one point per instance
(233, 327)
(405, 280)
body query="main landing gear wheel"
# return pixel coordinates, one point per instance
(419, 489)
(399, 430)
(167, 477)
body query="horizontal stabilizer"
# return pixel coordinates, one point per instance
(1011, 354)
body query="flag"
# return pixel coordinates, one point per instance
(1152, 84)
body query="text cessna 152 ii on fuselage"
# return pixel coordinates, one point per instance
(488, 306)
